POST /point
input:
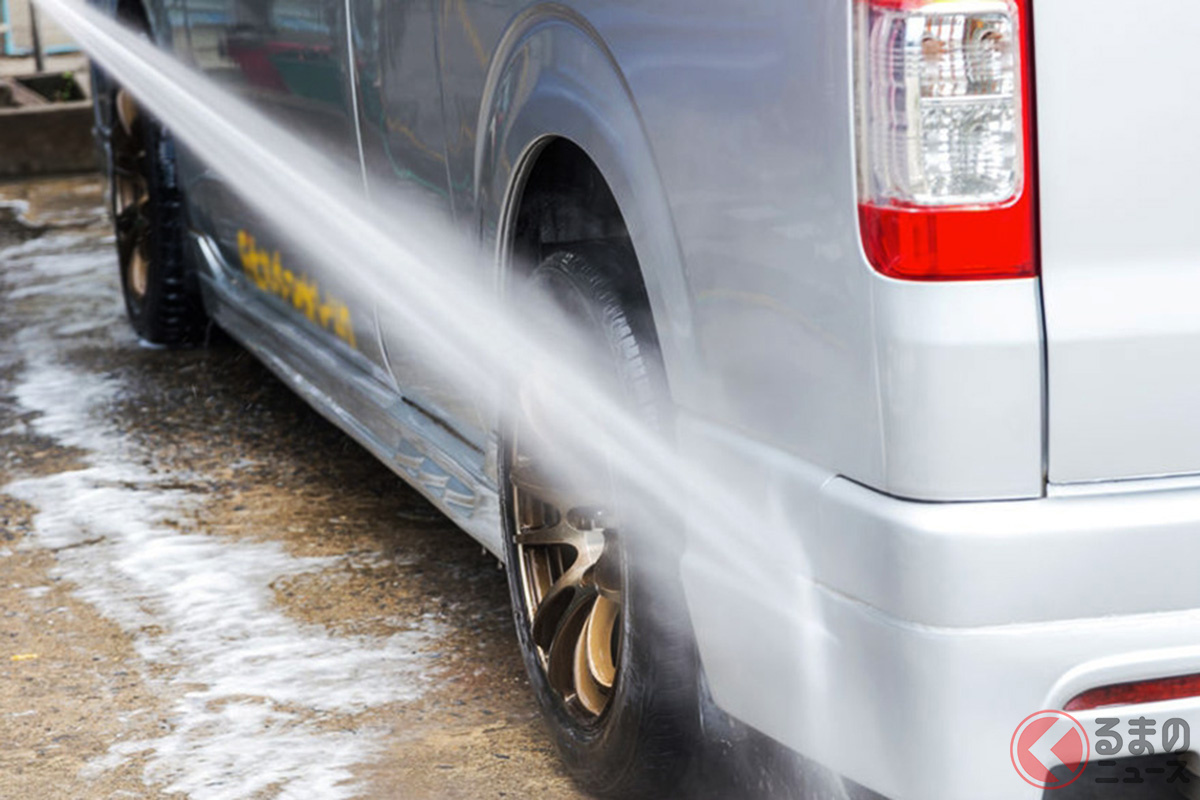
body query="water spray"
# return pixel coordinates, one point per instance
(425, 275)
(432, 282)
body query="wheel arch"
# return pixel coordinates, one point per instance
(553, 80)
(151, 15)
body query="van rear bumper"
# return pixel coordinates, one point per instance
(901, 643)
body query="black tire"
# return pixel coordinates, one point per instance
(642, 743)
(163, 300)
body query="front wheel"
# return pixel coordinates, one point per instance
(161, 296)
(609, 656)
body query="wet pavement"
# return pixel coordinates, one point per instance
(208, 591)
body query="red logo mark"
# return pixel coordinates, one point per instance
(1050, 749)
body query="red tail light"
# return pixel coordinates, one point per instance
(1151, 691)
(945, 130)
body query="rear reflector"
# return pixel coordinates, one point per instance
(1123, 694)
(945, 138)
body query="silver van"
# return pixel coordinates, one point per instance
(919, 276)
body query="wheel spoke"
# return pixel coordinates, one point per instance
(124, 192)
(560, 655)
(588, 691)
(571, 569)
(596, 642)
(127, 111)
(138, 272)
(130, 192)
(552, 612)
(561, 533)
(131, 229)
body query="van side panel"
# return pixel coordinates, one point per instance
(775, 326)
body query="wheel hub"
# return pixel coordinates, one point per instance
(571, 572)
(131, 195)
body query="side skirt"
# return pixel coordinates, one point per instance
(348, 392)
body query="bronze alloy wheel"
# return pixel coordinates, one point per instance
(572, 578)
(610, 659)
(131, 195)
(160, 289)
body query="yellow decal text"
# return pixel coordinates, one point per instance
(264, 269)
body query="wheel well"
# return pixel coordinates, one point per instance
(565, 199)
(133, 13)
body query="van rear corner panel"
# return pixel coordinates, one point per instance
(960, 389)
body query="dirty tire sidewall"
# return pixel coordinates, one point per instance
(643, 742)
(170, 312)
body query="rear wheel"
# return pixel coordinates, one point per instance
(612, 665)
(161, 296)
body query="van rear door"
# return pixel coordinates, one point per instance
(1118, 99)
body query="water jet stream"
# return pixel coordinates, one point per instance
(425, 274)
(430, 280)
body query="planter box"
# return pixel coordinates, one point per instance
(55, 87)
(46, 127)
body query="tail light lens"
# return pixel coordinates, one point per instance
(1151, 691)
(944, 115)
